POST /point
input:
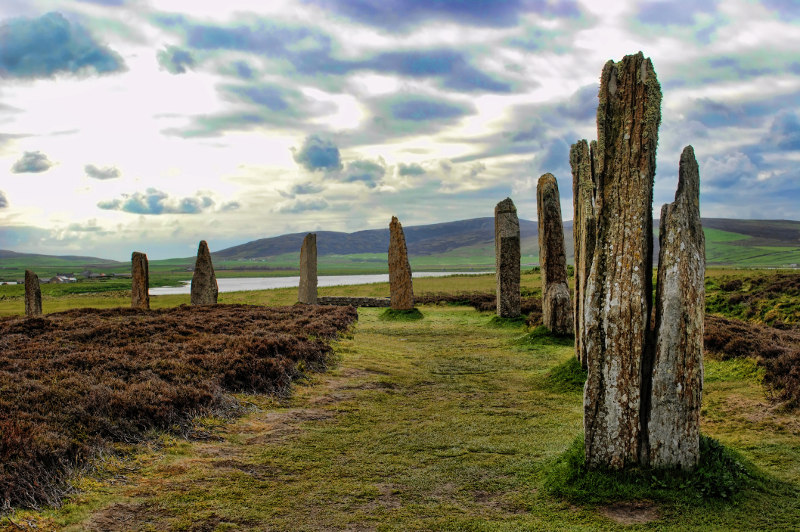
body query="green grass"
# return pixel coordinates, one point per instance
(446, 423)
(567, 377)
(95, 295)
(714, 236)
(721, 474)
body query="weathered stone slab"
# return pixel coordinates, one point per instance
(583, 232)
(618, 296)
(400, 285)
(507, 258)
(307, 292)
(140, 281)
(204, 281)
(556, 304)
(33, 295)
(677, 383)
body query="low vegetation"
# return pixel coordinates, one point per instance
(74, 383)
(776, 350)
(771, 299)
(447, 423)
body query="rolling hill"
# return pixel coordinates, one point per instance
(728, 242)
(459, 245)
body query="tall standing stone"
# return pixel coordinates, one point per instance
(33, 295)
(583, 232)
(140, 281)
(400, 285)
(677, 378)
(618, 292)
(204, 281)
(556, 304)
(308, 270)
(507, 258)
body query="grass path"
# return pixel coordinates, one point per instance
(441, 424)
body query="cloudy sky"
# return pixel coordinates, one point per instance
(150, 124)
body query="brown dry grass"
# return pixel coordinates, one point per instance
(75, 382)
(777, 350)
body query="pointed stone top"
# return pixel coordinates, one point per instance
(547, 180)
(688, 175)
(203, 247)
(395, 220)
(505, 206)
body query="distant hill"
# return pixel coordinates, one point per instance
(467, 243)
(431, 239)
(53, 260)
(728, 241)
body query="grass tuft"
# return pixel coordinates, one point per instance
(391, 314)
(722, 474)
(567, 377)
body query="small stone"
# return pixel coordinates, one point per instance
(308, 270)
(556, 304)
(507, 258)
(140, 281)
(400, 285)
(33, 295)
(204, 281)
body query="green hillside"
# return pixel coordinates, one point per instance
(466, 245)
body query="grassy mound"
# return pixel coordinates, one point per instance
(391, 314)
(75, 383)
(721, 474)
(567, 377)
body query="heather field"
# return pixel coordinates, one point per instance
(78, 382)
(183, 418)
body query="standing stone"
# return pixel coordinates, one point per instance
(618, 293)
(583, 232)
(308, 270)
(400, 286)
(674, 423)
(507, 258)
(33, 295)
(204, 282)
(140, 281)
(556, 304)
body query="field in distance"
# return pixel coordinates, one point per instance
(465, 245)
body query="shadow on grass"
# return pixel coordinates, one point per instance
(541, 336)
(498, 322)
(391, 314)
(722, 475)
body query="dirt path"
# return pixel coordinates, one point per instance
(420, 424)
